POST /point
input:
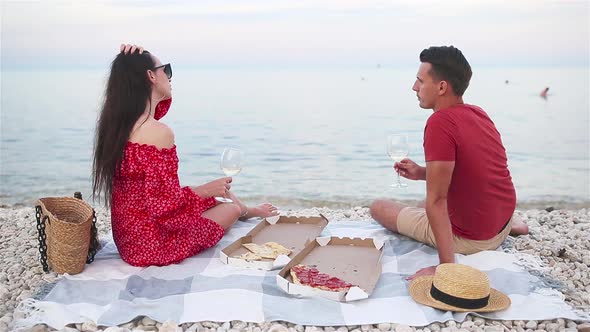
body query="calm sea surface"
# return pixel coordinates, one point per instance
(311, 136)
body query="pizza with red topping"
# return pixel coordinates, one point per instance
(310, 276)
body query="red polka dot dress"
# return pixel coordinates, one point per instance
(155, 221)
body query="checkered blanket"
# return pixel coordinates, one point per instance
(201, 288)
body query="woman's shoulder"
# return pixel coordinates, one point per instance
(153, 133)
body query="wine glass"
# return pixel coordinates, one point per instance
(231, 164)
(397, 149)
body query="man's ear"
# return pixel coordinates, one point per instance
(443, 86)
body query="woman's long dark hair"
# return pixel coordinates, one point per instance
(126, 96)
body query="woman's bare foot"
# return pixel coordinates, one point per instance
(262, 211)
(519, 228)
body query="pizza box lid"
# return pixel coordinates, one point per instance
(355, 260)
(293, 233)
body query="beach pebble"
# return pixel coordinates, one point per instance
(116, 329)
(4, 293)
(403, 328)
(467, 324)
(210, 325)
(71, 329)
(531, 324)
(365, 328)
(39, 328)
(88, 326)
(478, 321)
(194, 327)
(313, 329)
(278, 328)
(239, 325)
(552, 327)
(169, 326)
(384, 326)
(146, 321)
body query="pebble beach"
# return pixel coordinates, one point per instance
(558, 238)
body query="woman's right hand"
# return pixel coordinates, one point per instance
(410, 170)
(130, 49)
(215, 188)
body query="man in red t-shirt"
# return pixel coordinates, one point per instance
(470, 197)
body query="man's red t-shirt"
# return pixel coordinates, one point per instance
(481, 197)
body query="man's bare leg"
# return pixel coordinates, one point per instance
(518, 227)
(385, 212)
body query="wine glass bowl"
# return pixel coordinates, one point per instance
(231, 164)
(397, 149)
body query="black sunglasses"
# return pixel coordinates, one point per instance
(167, 70)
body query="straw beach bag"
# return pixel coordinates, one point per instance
(67, 233)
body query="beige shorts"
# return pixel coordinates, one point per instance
(413, 222)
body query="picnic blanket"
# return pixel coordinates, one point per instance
(202, 288)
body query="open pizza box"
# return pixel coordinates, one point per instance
(353, 260)
(293, 233)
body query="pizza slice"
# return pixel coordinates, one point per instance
(249, 256)
(269, 250)
(279, 249)
(310, 276)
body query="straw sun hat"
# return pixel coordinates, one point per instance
(457, 287)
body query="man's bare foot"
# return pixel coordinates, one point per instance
(262, 211)
(519, 228)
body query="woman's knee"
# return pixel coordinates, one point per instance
(224, 214)
(230, 211)
(235, 210)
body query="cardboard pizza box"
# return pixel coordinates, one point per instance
(293, 233)
(354, 260)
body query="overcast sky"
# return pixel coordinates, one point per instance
(297, 32)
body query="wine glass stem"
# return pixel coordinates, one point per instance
(398, 180)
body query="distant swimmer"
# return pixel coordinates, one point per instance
(506, 81)
(544, 93)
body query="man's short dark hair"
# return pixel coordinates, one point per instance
(448, 64)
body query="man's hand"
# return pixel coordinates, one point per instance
(427, 271)
(410, 170)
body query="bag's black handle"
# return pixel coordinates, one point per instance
(93, 248)
(42, 237)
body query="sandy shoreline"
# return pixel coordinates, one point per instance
(559, 238)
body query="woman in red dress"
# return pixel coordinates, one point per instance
(154, 220)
